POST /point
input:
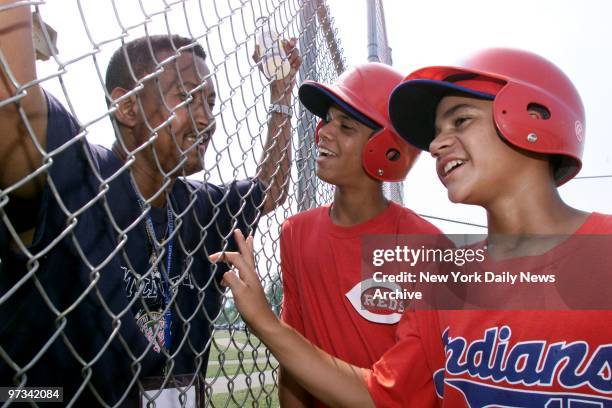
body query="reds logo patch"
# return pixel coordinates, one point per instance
(579, 129)
(374, 308)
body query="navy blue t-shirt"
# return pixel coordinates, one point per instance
(90, 272)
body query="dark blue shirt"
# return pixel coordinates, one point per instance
(87, 277)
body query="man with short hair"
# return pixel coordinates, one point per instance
(104, 253)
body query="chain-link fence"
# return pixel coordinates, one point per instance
(115, 188)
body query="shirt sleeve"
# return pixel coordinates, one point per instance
(240, 208)
(291, 312)
(69, 171)
(404, 375)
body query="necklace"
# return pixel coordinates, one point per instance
(150, 322)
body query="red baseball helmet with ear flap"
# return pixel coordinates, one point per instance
(363, 92)
(520, 84)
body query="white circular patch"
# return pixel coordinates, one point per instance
(355, 297)
(579, 129)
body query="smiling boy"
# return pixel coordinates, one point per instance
(506, 128)
(324, 289)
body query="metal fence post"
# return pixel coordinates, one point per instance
(305, 160)
(379, 51)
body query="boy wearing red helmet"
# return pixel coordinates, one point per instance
(506, 129)
(321, 248)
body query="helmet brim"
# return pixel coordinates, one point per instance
(318, 98)
(413, 104)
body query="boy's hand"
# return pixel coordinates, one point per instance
(245, 285)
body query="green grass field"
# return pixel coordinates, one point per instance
(234, 354)
(258, 397)
(238, 346)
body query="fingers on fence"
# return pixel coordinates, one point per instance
(22, 106)
(243, 260)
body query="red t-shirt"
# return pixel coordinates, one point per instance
(509, 358)
(321, 271)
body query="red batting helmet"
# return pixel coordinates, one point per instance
(363, 92)
(517, 82)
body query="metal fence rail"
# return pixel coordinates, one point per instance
(379, 51)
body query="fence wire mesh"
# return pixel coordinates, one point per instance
(105, 284)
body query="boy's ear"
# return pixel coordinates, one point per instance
(127, 112)
(535, 114)
(537, 111)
